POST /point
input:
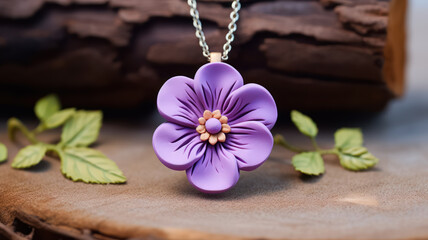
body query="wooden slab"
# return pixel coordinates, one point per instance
(273, 202)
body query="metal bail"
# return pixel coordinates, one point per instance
(215, 57)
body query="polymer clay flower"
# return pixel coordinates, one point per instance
(216, 126)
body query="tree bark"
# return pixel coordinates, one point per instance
(313, 55)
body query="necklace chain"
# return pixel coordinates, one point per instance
(234, 16)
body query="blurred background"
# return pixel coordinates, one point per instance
(319, 56)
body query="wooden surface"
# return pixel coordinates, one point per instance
(318, 54)
(273, 202)
(390, 201)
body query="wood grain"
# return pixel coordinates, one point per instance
(272, 202)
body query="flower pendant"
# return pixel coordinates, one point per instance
(216, 126)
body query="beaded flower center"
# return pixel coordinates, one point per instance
(213, 127)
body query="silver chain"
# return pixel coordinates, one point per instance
(234, 16)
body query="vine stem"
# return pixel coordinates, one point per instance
(315, 144)
(40, 128)
(328, 151)
(14, 124)
(279, 139)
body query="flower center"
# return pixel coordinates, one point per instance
(213, 125)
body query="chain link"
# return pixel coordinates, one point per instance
(234, 16)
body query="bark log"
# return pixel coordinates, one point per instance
(95, 52)
(395, 50)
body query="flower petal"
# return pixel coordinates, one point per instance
(251, 102)
(178, 103)
(216, 172)
(214, 82)
(250, 143)
(177, 147)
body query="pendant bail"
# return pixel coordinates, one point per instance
(215, 57)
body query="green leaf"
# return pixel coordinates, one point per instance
(3, 152)
(29, 156)
(82, 129)
(47, 106)
(357, 158)
(89, 166)
(58, 118)
(348, 137)
(304, 124)
(308, 163)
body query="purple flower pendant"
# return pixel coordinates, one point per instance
(216, 126)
